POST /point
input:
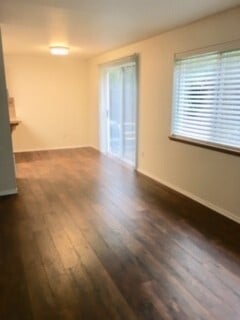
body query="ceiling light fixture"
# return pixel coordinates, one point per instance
(59, 50)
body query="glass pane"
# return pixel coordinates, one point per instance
(115, 111)
(129, 113)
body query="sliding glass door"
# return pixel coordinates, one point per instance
(120, 103)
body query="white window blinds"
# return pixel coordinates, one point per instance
(207, 99)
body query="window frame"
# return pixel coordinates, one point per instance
(220, 48)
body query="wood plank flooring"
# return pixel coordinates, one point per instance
(88, 238)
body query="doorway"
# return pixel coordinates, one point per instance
(119, 110)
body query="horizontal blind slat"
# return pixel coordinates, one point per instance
(209, 133)
(197, 119)
(206, 125)
(226, 113)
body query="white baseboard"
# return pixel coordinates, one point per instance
(8, 192)
(96, 148)
(190, 195)
(49, 149)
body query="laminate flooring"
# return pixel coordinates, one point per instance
(88, 238)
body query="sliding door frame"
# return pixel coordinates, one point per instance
(104, 102)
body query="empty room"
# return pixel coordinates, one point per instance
(120, 160)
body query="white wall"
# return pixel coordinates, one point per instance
(51, 101)
(209, 176)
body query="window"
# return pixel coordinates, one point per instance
(207, 100)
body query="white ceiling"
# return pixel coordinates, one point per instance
(93, 26)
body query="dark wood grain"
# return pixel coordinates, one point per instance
(88, 238)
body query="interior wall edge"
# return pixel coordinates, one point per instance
(8, 192)
(96, 148)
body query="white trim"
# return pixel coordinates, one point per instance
(96, 148)
(49, 149)
(190, 195)
(8, 192)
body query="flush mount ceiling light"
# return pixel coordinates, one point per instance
(59, 50)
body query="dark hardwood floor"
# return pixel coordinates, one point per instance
(87, 238)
